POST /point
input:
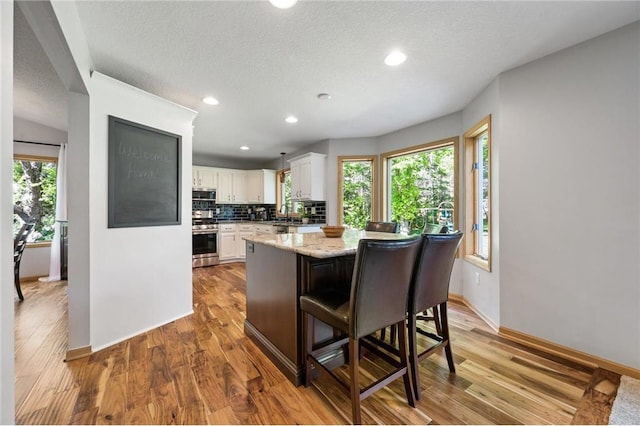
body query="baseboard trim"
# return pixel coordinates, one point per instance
(31, 278)
(78, 353)
(550, 347)
(568, 353)
(458, 298)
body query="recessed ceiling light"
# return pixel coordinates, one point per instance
(291, 119)
(283, 4)
(395, 58)
(210, 100)
(244, 148)
(324, 96)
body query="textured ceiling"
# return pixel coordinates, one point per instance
(264, 63)
(38, 93)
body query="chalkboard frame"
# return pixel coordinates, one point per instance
(115, 200)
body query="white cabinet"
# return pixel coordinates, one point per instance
(232, 245)
(227, 249)
(261, 186)
(307, 177)
(204, 177)
(231, 186)
(238, 179)
(243, 230)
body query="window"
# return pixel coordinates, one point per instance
(478, 194)
(357, 189)
(285, 207)
(420, 185)
(34, 195)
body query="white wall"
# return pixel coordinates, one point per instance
(570, 197)
(26, 130)
(7, 292)
(484, 296)
(140, 277)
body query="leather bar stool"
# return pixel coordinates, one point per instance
(430, 289)
(379, 296)
(391, 227)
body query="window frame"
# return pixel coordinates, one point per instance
(279, 196)
(453, 141)
(472, 194)
(374, 183)
(41, 158)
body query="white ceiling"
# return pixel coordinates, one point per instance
(264, 63)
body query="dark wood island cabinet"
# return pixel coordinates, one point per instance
(279, 269)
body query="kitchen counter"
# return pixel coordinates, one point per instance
(317, 245)
(282, 267)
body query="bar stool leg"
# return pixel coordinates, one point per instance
(354, 372)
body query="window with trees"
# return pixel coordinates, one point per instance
(285, 206)
(478, 193)
(420, 185)
(34, 195)
(357, 189)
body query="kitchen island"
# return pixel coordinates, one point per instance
(280, 268)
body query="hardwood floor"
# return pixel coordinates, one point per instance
(203, 370)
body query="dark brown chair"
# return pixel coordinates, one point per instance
(379, 295)
(19, 244)
(430, 289)
(436, 229)
(391, 227)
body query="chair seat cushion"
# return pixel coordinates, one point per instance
(328, 306)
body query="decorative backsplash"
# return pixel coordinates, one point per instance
(223, 212)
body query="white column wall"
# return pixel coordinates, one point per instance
(484, 294)
(570, 197)
(140, 277)
(7, 292)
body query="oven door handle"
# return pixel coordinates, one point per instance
(203, 232)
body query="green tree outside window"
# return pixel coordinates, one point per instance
(34, 197)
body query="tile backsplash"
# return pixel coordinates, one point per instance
(224, 212)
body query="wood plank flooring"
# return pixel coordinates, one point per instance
(202, 369)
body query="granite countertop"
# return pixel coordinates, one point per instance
(317, 245)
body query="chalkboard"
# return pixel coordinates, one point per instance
(144, 175)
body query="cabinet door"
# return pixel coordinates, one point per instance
(238, 187)
(295, 181)
(254, 187)
(195, 181)
(241, 244)
(224, 187)
(208, 177)
(305, 179)
(227, 245)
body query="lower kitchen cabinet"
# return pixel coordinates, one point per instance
(243, 230)
(232, 245)
(227, 249)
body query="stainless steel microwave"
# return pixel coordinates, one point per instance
(203, 194)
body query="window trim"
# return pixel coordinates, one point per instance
(279, 195)
(385, 178)
(41, 158)
(471, 193)
(374, 183)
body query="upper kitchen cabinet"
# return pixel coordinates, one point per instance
(204, 177)
(231, 186)
(261, 186)
(307, 177)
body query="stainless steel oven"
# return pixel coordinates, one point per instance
(205, 247)
(204, 235)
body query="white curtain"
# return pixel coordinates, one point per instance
(61, 214)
